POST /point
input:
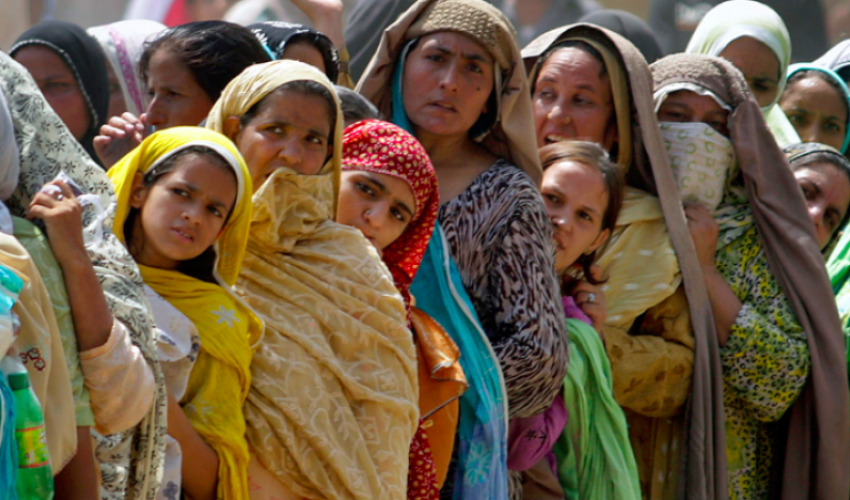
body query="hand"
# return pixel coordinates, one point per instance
(118, 137)
(704, 232)
(597, 309)
(63, 217)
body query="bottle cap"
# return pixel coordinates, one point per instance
(19, 381)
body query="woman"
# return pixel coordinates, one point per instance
(184, 74)
(771, 303)
(130, 459)
(630, 27)
(837, 59)
(337, 357)
(817, 102)
(123, 43)
(300, 43)
(588, 83)
(754, 38)
(70, 71)
(460, 88)
(389, 191)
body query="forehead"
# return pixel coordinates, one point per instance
(41, 61)
(298, 109)
(694, 101)
(455, 42)
(572, 62)
(575, 176)
(752, 57)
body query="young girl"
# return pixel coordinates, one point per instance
(583, 192)
(183, 212)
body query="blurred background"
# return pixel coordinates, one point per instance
(815, 25)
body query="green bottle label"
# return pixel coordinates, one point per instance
(32, 448)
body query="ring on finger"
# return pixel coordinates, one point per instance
(591, 298)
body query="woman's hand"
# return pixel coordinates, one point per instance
(704, 232)
(118, 137)
(63, 217)
(597, 308)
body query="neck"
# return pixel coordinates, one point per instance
(443, 150)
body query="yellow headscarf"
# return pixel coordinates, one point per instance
(220, 379)
(333, 403)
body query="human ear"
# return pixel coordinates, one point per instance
(232, 127)
(138, 193)
(600, 239)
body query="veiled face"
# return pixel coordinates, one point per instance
(448, 78)
(686, 106)
(573, 100)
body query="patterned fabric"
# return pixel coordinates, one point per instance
(332, 407)
(129, 461)
(219, 383)
(422, 477)
(123, 43)
(39, 249)
(500, 237)
(765, 365)
(383, 148)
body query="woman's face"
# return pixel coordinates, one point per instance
(685, 106)
(176, 98)
(758, 64)
(381, 206)
(305, 52)
(117, 106)
(291, 130)
(183, 213)
(573, 100)
(56, 81)
(448, 78)
(827, 193)
(817, 111)
(576, 199)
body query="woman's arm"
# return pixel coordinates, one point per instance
(200, 461)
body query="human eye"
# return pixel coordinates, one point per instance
(832, 127)
(316, 140)
(475, 68)
(796, 118)
(398, 214)
(585, 215)
(180, 192)
(215, 211)
(366, 189)
(552, 198)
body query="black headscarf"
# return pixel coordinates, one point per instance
(275, 35)
(630, 27)
(84, 56)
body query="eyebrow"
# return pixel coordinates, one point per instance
(582, 86)
(471, 56)
(383, 189)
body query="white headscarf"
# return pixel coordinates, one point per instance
(10, 164)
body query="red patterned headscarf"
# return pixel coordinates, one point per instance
(383, 148)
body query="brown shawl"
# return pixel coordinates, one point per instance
(512, 137)
(649, 169)
(817, 456)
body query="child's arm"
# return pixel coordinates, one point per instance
(200, 461)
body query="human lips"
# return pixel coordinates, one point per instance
(443, 105)
(553, 138)
(183, 234)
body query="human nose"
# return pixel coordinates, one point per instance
(156, 114)
(291, 152)
(559, 113)
(376, 214)
(562, 221)
(448, 78)
(192, 213)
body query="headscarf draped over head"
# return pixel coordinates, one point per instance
(332, 407)
(736, 19)
(384, 148)
(630, 27)
(85, 58)
(511, 133)
(10, 164)
(226, 325)
(130, 462)
(844, 91)
(123, 44)
(276, 35)
(817, 455)
(837, 59)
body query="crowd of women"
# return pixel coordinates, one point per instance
(487, 272)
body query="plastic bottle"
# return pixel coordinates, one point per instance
(35, 475)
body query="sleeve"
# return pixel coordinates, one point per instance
(121, 383)
(766, 362)
(213, 405)
(527, 328)
(653, 369)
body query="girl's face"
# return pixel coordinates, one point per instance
(176, 98)
(686, 106)
(758, 64)
(117, 106)
(56, 81)
(817, 111)
(448, 78)
(292, 130)
(381, 206)
(827, 193)
(573, 100)
(576, 199)
(183, 213)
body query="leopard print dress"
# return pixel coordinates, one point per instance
(765, 365)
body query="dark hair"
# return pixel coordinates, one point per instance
(303, 87)
(215, 52)
(355, 107)
(201, 267)
(595, 156)
(813, 73)
(576, 44)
